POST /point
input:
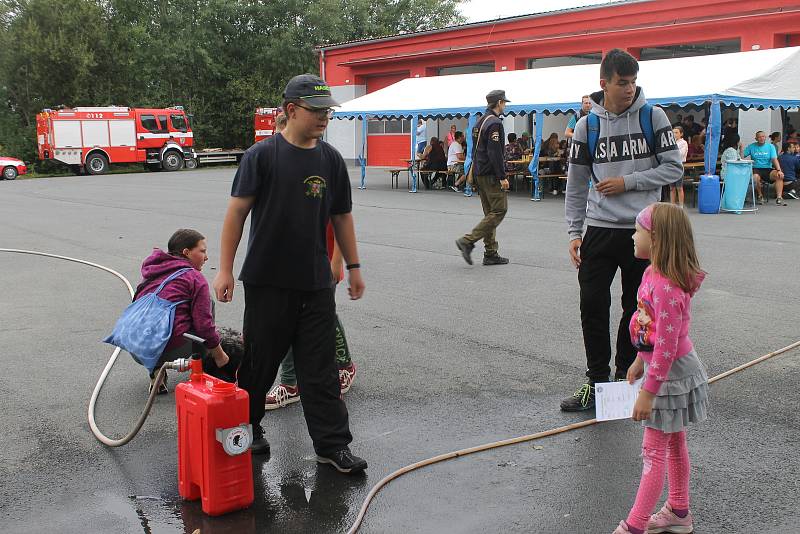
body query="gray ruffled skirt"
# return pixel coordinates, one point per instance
(683, 397)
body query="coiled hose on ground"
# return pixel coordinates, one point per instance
(385, 480)
(96, 392)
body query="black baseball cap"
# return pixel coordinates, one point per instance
(311, 89)
(496, 96)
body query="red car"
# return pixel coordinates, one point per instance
(10, 168)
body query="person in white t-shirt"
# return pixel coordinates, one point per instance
(683, 148)
(455, 159)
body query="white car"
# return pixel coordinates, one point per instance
(10, 168)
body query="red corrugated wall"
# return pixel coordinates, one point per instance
(388, 150)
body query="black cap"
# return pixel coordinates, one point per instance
(496, 96)
(311, 89)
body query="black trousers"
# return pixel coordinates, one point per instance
(276, 319)
(603, 251)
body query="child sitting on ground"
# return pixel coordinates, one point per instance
(186, 248)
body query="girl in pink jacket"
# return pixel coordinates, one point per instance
(675, 389)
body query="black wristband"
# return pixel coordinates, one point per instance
(353, 266)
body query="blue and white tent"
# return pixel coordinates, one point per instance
(757, 79)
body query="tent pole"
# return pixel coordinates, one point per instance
(712, 136)
(536, 194)
(472, 119)
(362, 159)
(414, 120)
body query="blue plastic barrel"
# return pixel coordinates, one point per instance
(708, 194)
(738, 177)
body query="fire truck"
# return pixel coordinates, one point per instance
(265, 122)
(92, 138)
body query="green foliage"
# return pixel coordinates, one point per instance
(220, 59)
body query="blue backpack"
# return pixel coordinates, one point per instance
(645, 123)
(145, 326)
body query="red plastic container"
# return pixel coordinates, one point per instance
(214, 436)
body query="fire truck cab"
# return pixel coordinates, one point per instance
(92, 138)
(265, 122)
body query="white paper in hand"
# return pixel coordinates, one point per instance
(615, 400)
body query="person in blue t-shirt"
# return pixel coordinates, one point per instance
(586, 107)
(790, 164)
(764, 157)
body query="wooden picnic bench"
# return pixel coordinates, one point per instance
(395, 176)
(551, 177)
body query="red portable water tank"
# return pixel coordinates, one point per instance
(214, 437)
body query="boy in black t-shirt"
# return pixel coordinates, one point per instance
(291, 185)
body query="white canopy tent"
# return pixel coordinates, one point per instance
(761, 79)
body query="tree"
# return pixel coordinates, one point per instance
(220, 59)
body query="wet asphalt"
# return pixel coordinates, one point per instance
(449, 356)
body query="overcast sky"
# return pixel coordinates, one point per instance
(480, 10)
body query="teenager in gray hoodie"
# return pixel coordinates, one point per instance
(605, 192)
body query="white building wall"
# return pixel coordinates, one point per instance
(753, 120)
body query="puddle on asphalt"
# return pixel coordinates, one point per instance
(169, 515)
(304, 496)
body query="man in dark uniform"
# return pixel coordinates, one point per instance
(291, 185)
(490, 176)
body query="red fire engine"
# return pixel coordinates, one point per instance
(265, 122)
(91, 138)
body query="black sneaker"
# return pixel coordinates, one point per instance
(260, 445)
(494, 259)
(466, 249)
(344, 461)
(162, 387)
(581, 400)
(792, 194)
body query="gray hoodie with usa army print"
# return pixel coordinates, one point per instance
(622, 150)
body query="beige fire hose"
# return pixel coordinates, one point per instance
(179, 365)
(391, 476)
(521, 439)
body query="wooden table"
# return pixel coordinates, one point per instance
(542, 159)
(413, 163)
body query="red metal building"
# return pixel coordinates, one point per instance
(648, 29)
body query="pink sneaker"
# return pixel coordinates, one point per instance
(281, 395)
(666, 521)
(346, 377)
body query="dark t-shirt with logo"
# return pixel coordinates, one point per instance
(295, 190)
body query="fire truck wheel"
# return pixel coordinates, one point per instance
(96, 164)
(172, 161)
(191, 163)
(9, 173)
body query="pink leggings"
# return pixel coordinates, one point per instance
(657, 448)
